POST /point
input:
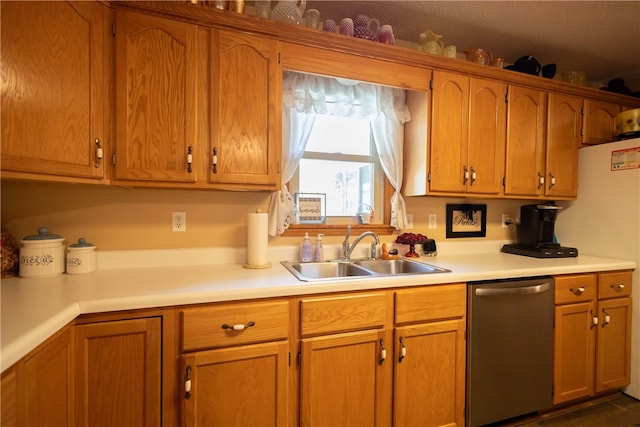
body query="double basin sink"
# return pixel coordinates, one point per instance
(358, 268)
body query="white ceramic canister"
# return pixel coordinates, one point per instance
(42, 254)
(81, 257)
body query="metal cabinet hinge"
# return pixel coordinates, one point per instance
(299, 359)
(113, 29)
(279, 59)
(289, 356)
(429, 177)
(506, 97)
(431, 84)
(113, 159)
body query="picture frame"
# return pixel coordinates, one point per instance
(466, 220)
(311, 208)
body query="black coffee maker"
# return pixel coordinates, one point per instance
(535, 233)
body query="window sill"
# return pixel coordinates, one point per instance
(336, 229)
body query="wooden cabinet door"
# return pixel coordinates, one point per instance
(449, 132)
(429, 388)
(119, 373)
(574, 351)
(487, 129)
(237, 386)
(599, 121)
(344, 380)
(156, 77)
(246, 110)
(53, 87)
(526, 123)
(563, 141)
(613, 356)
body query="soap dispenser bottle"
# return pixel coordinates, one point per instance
(306, 252)
(318, 254)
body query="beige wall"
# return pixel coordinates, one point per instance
(122, 218)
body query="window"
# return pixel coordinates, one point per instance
(340, 161)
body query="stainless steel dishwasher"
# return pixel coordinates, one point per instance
(509, 349)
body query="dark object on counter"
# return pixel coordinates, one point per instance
(10, 254)
(429, 247)
(527, 65)
(535, 234)
(549, 71)
(617, 86)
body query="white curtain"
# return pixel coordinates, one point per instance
(306, 95)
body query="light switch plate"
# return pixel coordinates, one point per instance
(409, 224)
(433, 221)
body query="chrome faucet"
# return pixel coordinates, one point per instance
(347, 249)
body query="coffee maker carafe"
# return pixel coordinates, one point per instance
(535, 233)
(536, 226)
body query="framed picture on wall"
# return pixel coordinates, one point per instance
(466, 220)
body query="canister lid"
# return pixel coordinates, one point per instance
(82, 243)
(43, 234)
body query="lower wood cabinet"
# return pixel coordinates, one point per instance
(592, 337)
(39, 389)
(429, 361)
(235, 364)
(118, 372)
(345, 360)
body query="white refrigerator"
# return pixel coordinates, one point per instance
(605, 219)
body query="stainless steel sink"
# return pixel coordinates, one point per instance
(345, 269)
(398, 266)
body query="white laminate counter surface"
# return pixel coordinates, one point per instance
(35, 308)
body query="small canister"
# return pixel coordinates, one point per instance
(41, 254)
(81, 257)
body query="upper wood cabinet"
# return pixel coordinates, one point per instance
(599, 121)
(245, 110)
(467, 141)
(156, 99)
(54, 89)
(526, 123)
(563, 140)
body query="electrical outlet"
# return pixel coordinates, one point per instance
(505, 219)
(179, 221)
(433, 219)
(409, 224)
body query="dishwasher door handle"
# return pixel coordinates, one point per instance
(525, 290)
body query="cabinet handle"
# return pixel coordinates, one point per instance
(238, 326)
(214, 160)
(607, 318)
(540, 180)
(473, 175)
(187, 382)
(465, 175)
(383, 352)
(577, 291)
(99, 154)
(189, 158)
(552, 180)
(618, 286)
(403, 350)
(594, 320)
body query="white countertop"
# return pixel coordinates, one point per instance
(35, 308)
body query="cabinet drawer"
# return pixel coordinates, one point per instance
(342, 313)
(614, 284)
(573, 288)
(213, 326)
(431, 303)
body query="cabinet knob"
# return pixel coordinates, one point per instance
(99, 154)
(403, 350)
(383, 352)
(594, 319)
(540, 180)
(473, 175)
(552, 180)
(214, 160)
(577, 291)
(465, 175)
(618, 286)
(607, 318)
(238, 326)
(189, 158)
(187, 382)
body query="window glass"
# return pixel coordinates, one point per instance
(340, 161)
